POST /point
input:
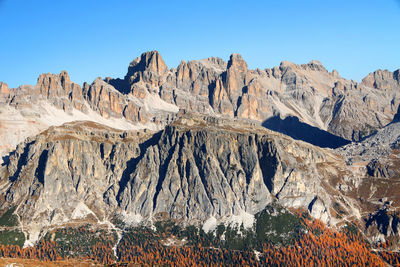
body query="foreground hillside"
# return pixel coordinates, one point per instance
(314, 245)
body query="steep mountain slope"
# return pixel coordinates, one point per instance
(377, 158)
(198, 169)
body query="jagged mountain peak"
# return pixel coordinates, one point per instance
(3, 88)
(316, 65)
(149, 61)
(286, 63)
(237, 62)
(46, 79)
(382, 79)
(150, 93)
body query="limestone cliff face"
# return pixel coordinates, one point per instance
(382, 79)
(152, 94)
(148, 68)
(100, 97)
(309, 92)
(197, 168)
(3, 88)
(51, 175)
(61, 92)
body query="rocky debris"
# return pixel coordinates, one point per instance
(378, 154)
(378, 146)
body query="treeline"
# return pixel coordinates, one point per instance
(323, 247)
(44, 250)
(318, 246)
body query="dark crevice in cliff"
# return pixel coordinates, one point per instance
(40, 170)
(169, 139)
(132, 163)
(200, 159)
(23, 160)
(284, 184)
(121, 85)
(211, 89)
(312, 203)
(247, 161)
(162, 172)
(268, 162)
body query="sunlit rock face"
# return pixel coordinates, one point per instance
(191, 143)
(196, 168)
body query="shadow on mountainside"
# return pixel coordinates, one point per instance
(132, 163)
(396, 117)
(121, 85)
(395, 120)
(298, 130)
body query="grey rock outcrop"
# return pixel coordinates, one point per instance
(197, 168)
(382, 80)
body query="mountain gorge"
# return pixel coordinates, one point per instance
(206, 144)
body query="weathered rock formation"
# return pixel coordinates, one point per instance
(217, 165)
(309, 92)
(151, 94)
(3, 88)
(197, 168)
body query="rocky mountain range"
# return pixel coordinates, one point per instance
(205, 143)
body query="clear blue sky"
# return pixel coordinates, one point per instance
(99, 38)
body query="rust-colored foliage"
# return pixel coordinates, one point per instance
(327, 248)
(321, 246)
